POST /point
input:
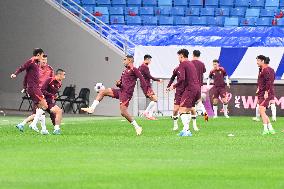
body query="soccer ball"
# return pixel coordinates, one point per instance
(98, 87)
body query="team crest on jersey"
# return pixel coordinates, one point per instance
(220, 72)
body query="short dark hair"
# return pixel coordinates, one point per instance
(216, 60)
(267, 60)
(261, 57)
(129, 56)
(147, 56)
(59, 70)
(37, 51)
(183, 52)
(196, 53)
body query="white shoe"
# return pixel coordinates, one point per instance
(226, 116)
(175, 128)
(34, 128)
(274, 119)
(44, 132)
(88, 110)
(255, 119)
(195, 129)
(138, 131)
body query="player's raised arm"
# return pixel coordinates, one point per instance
(21, 68)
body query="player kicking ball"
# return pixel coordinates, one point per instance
(145, 71)
(126, 86)
(265, 91)
(219, 89)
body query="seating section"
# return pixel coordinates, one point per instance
(186, 12)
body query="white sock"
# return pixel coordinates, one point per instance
(24, 122)
(257, 115)
(150, 106)
(151, 111)
(273, 110)
(38, 114)
(42, 122)
(185, 118)
(194, 121)
(215, 109)
(269, 126)
(175, 118)
(135, 125)
(225, 108)
(265, 127)
(95, 103)
(56, 127)
(200, 106)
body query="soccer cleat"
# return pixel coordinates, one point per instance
(265, 132)
(274, 119)
(138, 131)
(145, 114)
(175, 128)
(185, 133)
(255, 119)
(226, 116)
(272, 132)
(56, 132)
(206, 117)
(44, 132)
(34, 128)
(20, 127)
(88, 110)
(195, 128)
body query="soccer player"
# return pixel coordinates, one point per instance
(126, 86)
(50, 90)
(265, 91)
(200, 68)
(219, 89)
(144, 69)
(33, 88)
(191, 93)
(45, 72)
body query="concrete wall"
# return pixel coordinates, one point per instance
(26, 24)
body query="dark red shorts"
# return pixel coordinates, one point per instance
(178, 96)
(265, 102)
(35, 94)
(190, 97)
(50, 102)
(219, 91)
(124, 98)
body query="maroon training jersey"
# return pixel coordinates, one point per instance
(218, 77)
(145, 71)
(32, 73)
(200, 69)
(128, 80)
(188, 76)
(51, 87)
(265, 81)
(176, 74)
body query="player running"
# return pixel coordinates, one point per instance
(265, 91)
(33, 88)
(145, 71)
(126, 86)
(219, 89)
(191, 93)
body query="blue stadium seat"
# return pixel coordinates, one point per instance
(180, 20)
(103, 18)
(196, 3)
(104, 3)
(149, 3)
(247, 21)
(149, 20)
(215, 21)
(166, 20)
(231, 21)
(257, 3)
(272, 3)
(267, 12)
(133, 20)
(226, 3)
(89, 9)
(117, 20)
(225, 11)
(242, 3)
(88, 2)
(199, 21)
(239, 11)
(119, 3)
(280, 22)
(178, 11)
(147, 11)
(180, 3)
(165, 3)
(211, 3)
(193, 11)
(165, 11)
(207, 11)
(116, 11)
(131, 11)
(252, 13)
(134, 3)
(265, 21)
(102, 10)
(281, 4)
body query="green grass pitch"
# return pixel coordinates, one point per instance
(97, 152)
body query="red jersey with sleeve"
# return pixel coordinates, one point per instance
(32, 73)
(200, 69)
(51, 87)
(188, 76)
(265, 81)
(176, 74)
(218, 77)
(145, 71)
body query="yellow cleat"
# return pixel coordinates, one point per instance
(138, 131)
